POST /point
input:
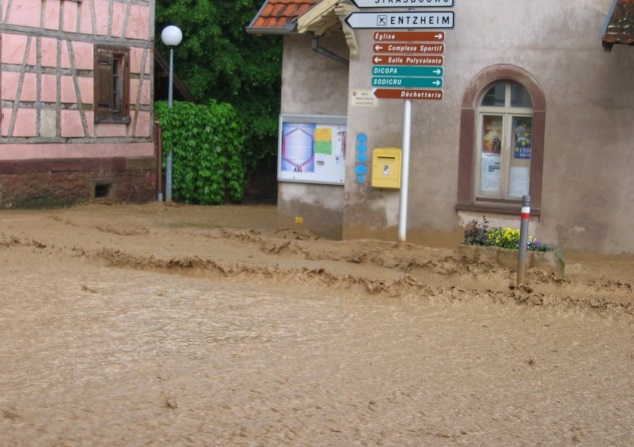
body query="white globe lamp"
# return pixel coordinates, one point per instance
(171, 36)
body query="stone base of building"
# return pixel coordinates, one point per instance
(549, 261)
(54, 183)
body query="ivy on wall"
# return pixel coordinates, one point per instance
(208, 142)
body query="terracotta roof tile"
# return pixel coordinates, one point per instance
(620, 25)
(277, 14)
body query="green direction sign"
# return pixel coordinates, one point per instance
(395, 70)
(393, 81)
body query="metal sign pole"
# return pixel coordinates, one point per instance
(407, 133)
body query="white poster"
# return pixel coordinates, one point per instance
(520, 180)
(490, 173)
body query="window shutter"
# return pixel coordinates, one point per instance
(104, 99)
(112, 85)
(125, 106)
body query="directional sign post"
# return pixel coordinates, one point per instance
(400, 20)
(403, 4)
(408, 70)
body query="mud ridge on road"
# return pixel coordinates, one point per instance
(405, 287)
(402, 257)
(305, 259)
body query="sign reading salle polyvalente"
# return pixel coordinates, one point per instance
(403, 3)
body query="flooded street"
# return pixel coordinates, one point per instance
(133, 326)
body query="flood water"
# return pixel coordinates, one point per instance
(143, 358)
(160, 325)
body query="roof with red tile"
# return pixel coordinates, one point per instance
(619, 27)
(277, 16)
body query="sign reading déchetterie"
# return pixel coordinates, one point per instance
(403, 3)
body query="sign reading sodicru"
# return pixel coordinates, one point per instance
(406, 82)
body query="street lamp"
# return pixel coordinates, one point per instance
(171, 36)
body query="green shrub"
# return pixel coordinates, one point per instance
(207, 141)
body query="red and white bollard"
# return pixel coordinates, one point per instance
(525, 215)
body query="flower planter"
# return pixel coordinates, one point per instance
(549, 261)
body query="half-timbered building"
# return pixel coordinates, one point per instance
(76, 95)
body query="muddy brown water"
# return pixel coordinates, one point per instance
(166, 326)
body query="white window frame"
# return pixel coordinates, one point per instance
(508, 113)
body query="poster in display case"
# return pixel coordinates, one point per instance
(312, 149)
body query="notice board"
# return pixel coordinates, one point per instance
(312, 149)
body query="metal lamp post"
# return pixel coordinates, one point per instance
(171, 36)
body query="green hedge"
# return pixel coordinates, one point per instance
(208, 163)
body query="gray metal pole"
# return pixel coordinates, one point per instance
(526, 215)
(170, 155)
(407, 132)
(170, 95)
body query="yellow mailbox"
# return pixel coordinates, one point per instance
(386, 167)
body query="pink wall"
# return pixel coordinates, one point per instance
(70, 17)
(29, 12)
(4, 125)
(51, 15)
(48, 151)
(139, 15)
(24, 13)
(13, 48)
(24, 124)
(144, 125)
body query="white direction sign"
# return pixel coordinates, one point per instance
(400, 20)
(403, 3)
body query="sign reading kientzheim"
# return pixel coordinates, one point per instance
(404, 78)
(400, 20)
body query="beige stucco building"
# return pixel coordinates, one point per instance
(531, 104)
(76, 94)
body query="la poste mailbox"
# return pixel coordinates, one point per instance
(386, 167)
